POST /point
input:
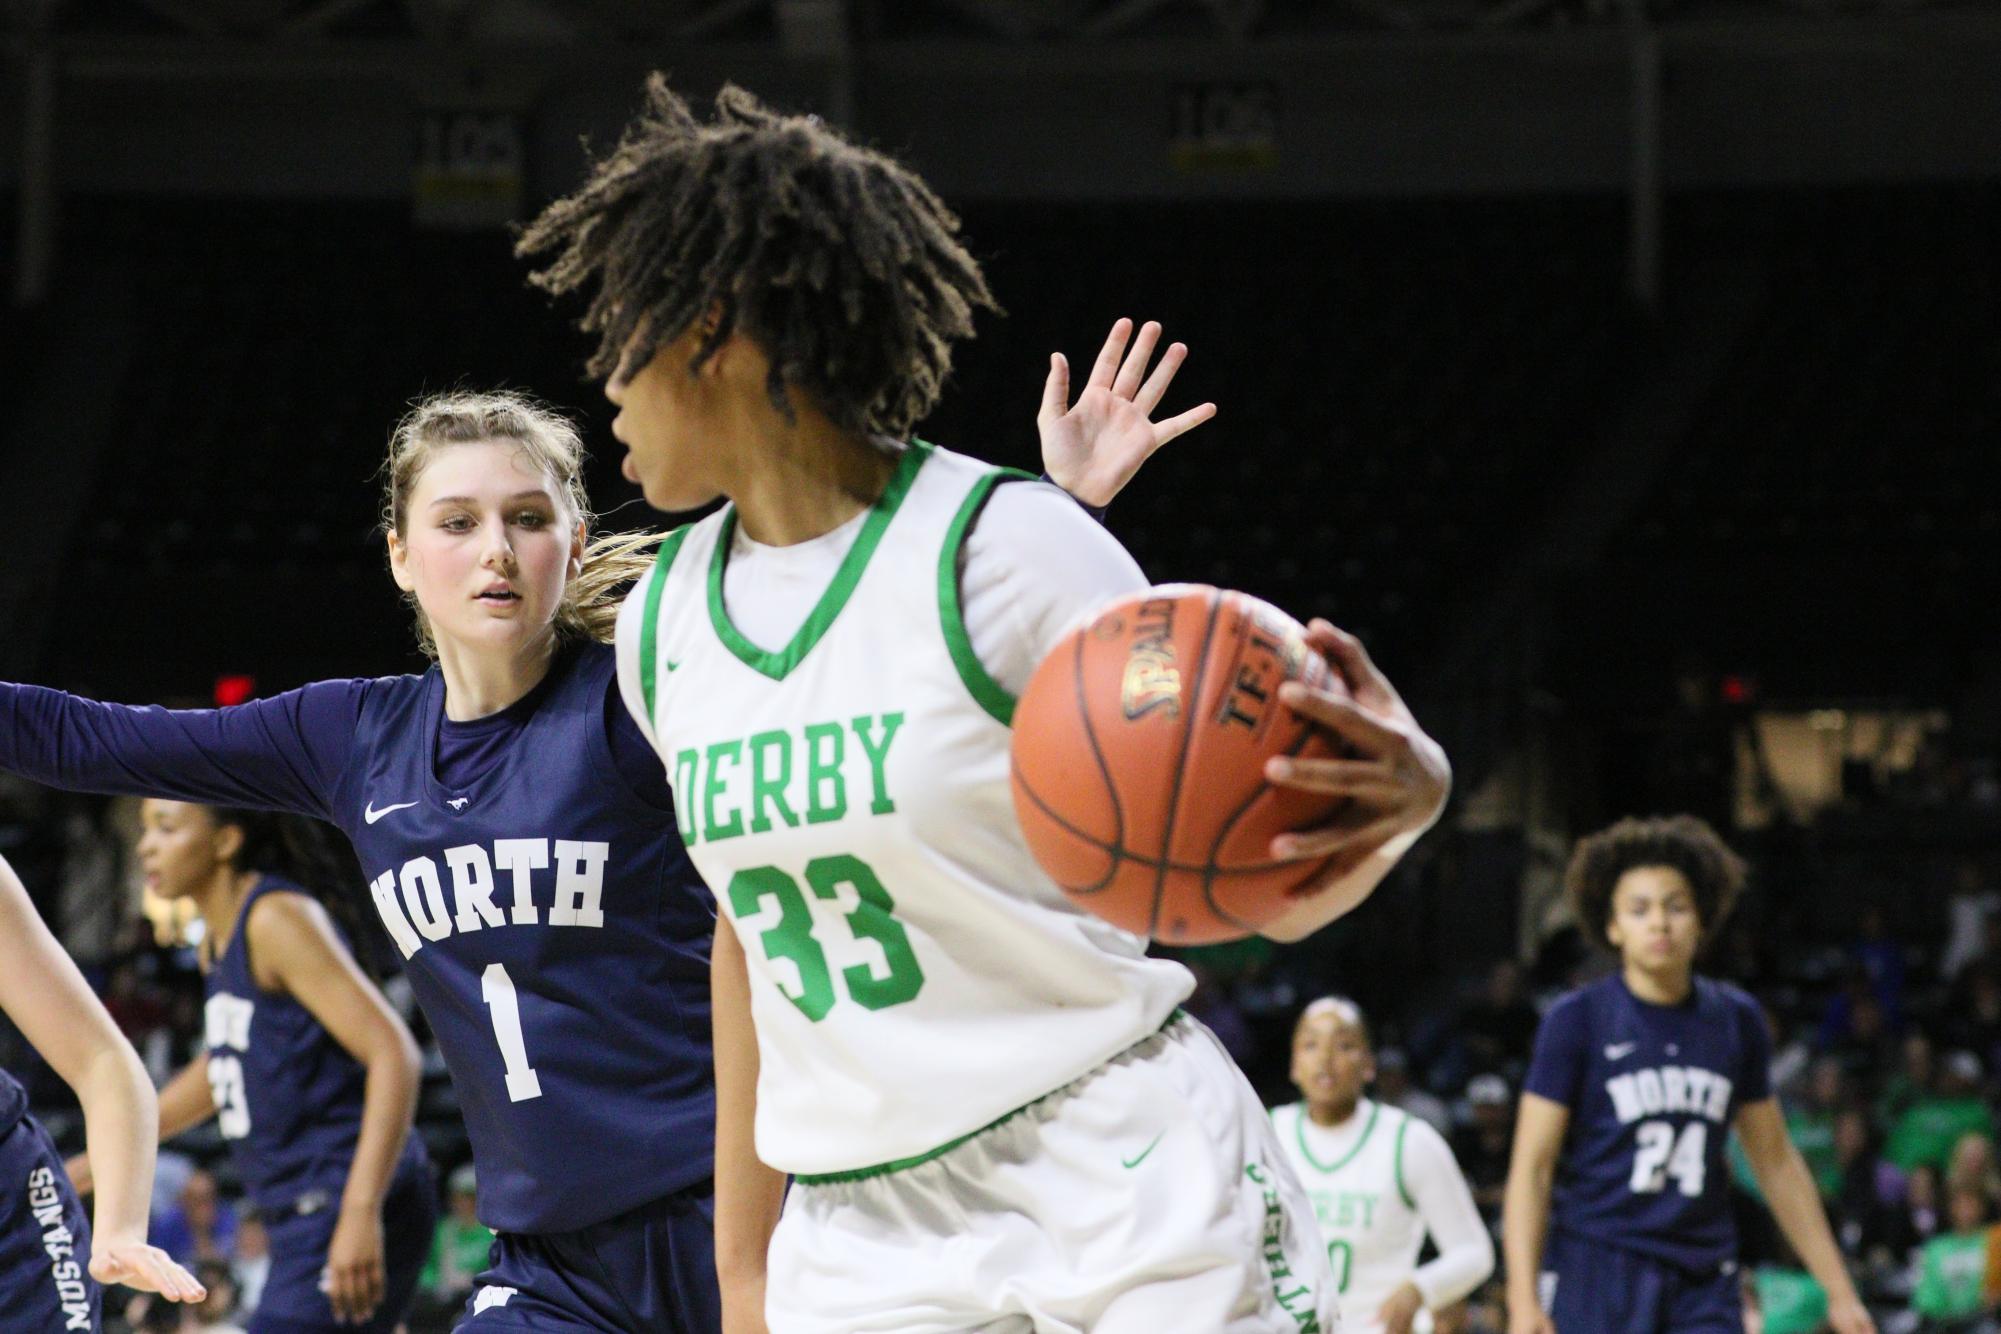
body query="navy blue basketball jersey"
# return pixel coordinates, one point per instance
(559, 957)
(13, 1102)
(288, 1097)
(1652, 1091)
(548, 919)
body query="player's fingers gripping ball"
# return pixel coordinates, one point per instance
(1139, 762)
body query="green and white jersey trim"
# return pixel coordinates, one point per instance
(914, 975)
(1360, 1198)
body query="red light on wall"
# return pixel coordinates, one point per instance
(1738, 689)
(234, 690)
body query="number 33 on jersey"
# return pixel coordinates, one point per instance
(914, 975)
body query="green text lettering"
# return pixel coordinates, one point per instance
(767, 781)
(823, 772)
(714, 830)
(877, 755)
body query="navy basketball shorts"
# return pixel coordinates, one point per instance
(45, 1283)
(1589, 1287)
(653, 1268)
(293, 1302)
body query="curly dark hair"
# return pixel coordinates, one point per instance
(1679, 842)
(837, 261)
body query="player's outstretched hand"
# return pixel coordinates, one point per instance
(354, 1277)
(1850, 1317)
(1092, 448)
(1396, 778)
(1400, 1308)
(146, 1268)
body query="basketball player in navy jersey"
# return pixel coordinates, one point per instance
(51, 1258)
(310, 1075)
(1636, 1084)
(519, 839)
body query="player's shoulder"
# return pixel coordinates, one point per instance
(1580, 1015)
(332, 711)
(363, 691)
(643, 601)
(940, 461)
(1404, 1126)
(666, 556)
(1727, 1000)
(1285, 1113)
(588, 658)
(276, 897)
(357, 689)
(284, 919)
(1582, 1005)
(960, 474)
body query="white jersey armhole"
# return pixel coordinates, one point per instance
(626, 643)
(1032, 563)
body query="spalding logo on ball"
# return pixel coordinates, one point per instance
(1139, 754)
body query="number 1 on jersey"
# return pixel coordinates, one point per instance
(496, 988)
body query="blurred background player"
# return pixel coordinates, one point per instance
(311, 1076)
(1618, 1211)
(53, 1259)
(777, 308)
(1380, 1181)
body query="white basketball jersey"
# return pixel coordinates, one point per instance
(1367, 1213)
(914, 975)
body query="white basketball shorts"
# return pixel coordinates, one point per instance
(1147, 1197)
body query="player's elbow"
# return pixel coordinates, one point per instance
(1483, 1259)
(393, 1056)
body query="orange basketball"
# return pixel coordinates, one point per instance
(1139, 753)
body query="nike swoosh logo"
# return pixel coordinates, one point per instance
(1135, 1162)
(371, 815)
(1619, 1051)
(673, 666)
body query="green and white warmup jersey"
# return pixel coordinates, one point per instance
(914, 975)
(1379, 1182)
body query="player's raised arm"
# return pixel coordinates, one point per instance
(1795, 1202)
(1396, 780)
(44, 994)
(1093, 447)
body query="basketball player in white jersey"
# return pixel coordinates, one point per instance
(1379, 1179)
(993, 1111)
